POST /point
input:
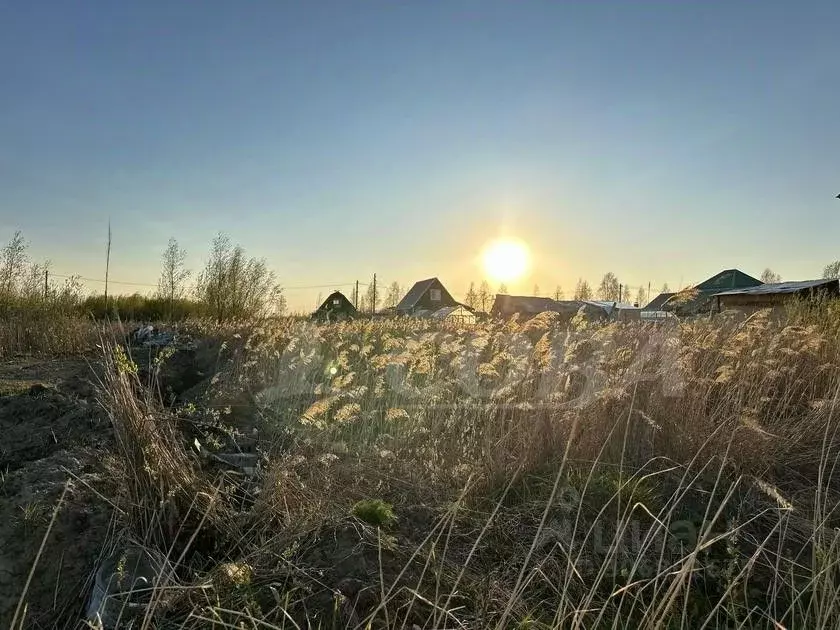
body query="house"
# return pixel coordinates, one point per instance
(335, 308)
(427, 294)
(525, 307)
(773, 295)
(698, 299)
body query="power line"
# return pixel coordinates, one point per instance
(326, 286)
(109, 281)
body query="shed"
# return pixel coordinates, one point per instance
(427, 294)
(335, 308)
(776, 294)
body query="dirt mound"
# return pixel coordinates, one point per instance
(28, 497)
(43, 421)
(53, 436)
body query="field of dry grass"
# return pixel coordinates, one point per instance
(400, 474)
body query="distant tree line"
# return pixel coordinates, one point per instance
(230, 286)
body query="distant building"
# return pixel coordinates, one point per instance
(776, 294)
(525, 307)
(428, 295)
(335, 308)
(698, 299)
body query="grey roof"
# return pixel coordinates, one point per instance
(415, 293)
(656, 303)
(446, 311)
(783, 287)
(523, 304)
(509, 304)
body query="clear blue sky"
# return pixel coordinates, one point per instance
(661, 140)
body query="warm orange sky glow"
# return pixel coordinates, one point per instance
(505, 260)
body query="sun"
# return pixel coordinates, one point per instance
(505, 260)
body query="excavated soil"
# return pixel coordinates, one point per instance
(52, 436)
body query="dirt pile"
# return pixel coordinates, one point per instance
(53, 437)
(42, 421)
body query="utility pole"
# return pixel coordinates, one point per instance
(107, 265)
(648, 298)
(373, 301)
(620, 286)
(356, 296)
(46, 284)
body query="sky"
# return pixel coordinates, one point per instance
(662, 141)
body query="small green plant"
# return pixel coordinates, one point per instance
(374, 512)
(33, 514)
(123, 362)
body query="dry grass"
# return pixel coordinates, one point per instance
(46, 334)
(617, 476)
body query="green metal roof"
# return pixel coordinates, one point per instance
(727, 281)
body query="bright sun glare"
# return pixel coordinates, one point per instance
(505, 260)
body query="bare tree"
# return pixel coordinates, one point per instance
(558, 293)
(233, 286)
(13, 262)
(70, 293)
(583, 291)
(641, 296)
(832, 270)
(471, 297)
(768, 276)
(372, 298)
(665, 288)
(536, 290)
(484, 296)
(503, 289)
(609, 288)
(392, 295)
(172, 284)
(32, 286)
